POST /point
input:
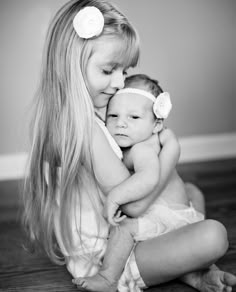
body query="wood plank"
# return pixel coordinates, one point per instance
(23, 271)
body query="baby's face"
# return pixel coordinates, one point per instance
(130, 119)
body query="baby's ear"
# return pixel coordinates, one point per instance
(158, 126)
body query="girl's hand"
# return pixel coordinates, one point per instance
(162, 139)
(153, 141)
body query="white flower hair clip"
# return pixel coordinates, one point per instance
(88, 22)
(161, 104)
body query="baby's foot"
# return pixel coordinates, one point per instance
(214, 280)
(97, 283)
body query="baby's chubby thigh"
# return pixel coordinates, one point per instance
(149, 226)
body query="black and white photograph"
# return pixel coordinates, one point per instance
(118, 145)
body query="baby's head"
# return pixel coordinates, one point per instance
(137, 111)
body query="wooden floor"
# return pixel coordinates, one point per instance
(22, 271)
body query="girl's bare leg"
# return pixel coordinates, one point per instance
(119, 247)
(188, 249)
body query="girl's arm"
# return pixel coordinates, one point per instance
(168, 159)
(108, 168)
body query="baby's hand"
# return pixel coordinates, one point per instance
(112, 213)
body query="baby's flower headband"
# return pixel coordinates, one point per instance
(161, 104)
(88, 22)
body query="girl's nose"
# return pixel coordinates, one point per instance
(118, 80)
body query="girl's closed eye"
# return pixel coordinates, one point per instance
(107, 72)
(107, 69)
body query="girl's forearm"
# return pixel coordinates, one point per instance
(168, 158)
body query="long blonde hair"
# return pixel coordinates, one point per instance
(62, 126)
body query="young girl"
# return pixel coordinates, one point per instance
(73, 165)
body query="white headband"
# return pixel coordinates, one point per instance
(161, 104)
(138, 91)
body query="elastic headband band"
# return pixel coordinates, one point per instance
(161, 105)
(137, 91)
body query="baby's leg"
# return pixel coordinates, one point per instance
(190, 248)
(120, 244)
(196, 197)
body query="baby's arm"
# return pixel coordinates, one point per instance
(143, 181)
(168, 159)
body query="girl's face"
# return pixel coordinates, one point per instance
(104, 74)
(130, 119)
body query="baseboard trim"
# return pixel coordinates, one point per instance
(13, 166)
(210, 147)
(193, 149)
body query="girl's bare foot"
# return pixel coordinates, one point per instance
(211, 280)
(96, 283)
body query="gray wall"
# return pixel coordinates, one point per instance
(234, 62)
(188, 45)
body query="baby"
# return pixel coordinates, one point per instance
(134, 114)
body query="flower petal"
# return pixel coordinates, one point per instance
(162, 105)
(88, 22)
